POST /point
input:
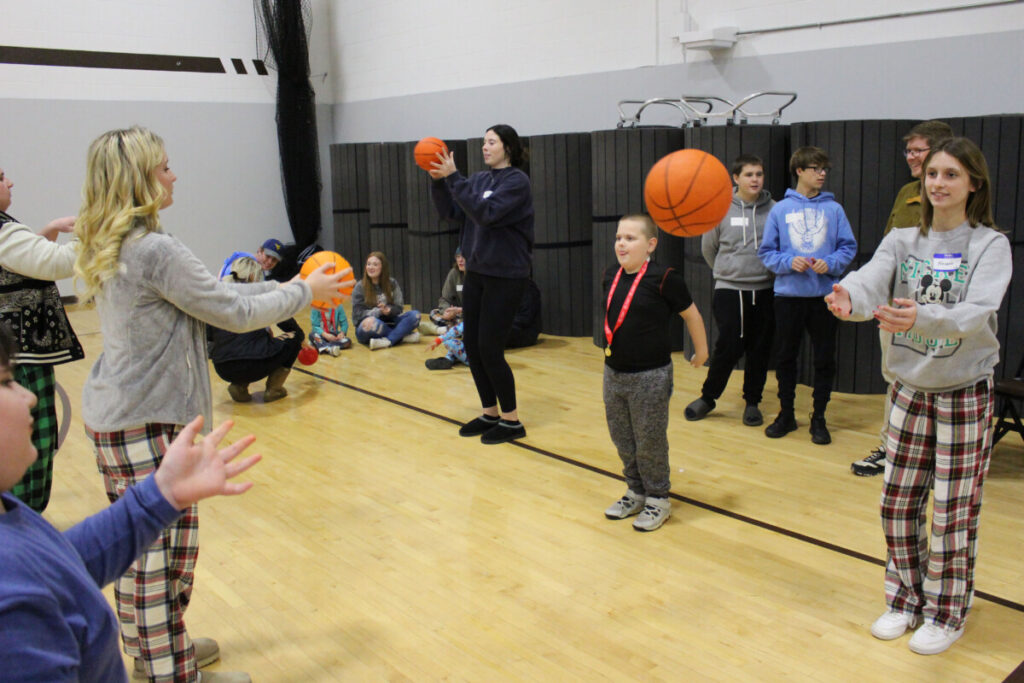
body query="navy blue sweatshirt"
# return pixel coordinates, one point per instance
(495, 208)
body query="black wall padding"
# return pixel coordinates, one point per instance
(386, 166)
(620, 161)
(561, 182)
(583, 183)
(431, 241)
(351, 198)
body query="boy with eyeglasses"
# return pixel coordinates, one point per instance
(807, 243)
(906, 213)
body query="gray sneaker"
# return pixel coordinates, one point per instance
(871, 464)
(627, 506)
(655, 513)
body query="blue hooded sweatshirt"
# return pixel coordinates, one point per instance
(813, 228)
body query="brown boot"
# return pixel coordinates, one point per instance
(275, 385)
(240, 393)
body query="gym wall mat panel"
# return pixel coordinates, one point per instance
(430, 258)
(431, 240)
(351, 198)
(386, 164)
(560, 175)
(620, 160)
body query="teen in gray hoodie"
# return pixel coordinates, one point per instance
(743, 299)
(945, 282)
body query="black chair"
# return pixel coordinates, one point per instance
(1010, 392)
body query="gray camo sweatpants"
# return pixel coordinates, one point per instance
(636, 407)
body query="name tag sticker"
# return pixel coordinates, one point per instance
(739, 221)
(458, 288)
(946, 263)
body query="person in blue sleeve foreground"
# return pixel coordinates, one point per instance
(55, 624)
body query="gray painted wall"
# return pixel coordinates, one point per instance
(228, 195)
(958, 76)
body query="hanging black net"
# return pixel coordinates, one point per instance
(282, 38)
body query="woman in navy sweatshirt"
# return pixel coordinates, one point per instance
(495, 209)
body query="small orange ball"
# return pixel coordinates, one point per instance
(688, 192)
(426, 151)
(317, 260)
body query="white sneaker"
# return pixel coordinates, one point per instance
(892, 625)
(334, 351)
(656, 511)
(630, 504)
(411, 338)
(931, 639)
(379, 343)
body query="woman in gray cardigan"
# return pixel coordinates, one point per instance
(154, 299)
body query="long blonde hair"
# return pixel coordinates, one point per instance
(121, 192)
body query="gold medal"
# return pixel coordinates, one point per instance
(608, 351)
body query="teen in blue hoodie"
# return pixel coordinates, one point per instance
(808, 244)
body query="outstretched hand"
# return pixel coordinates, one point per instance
(57, 226)
(838, 301)
(899, 317)
(326, 287)
(444, 166)
(193, 471)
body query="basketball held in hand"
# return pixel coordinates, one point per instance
(688, 192)
(426, 151)
(318, 259)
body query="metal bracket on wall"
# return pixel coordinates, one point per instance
(698, 110)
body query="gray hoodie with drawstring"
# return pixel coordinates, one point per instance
(730, 248)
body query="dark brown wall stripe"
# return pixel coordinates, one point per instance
(38, 56)
(108, 60)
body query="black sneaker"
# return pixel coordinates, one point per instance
(478, 426)
(872, 464)
(442, 363)
(819, 432)
(784, 424)
(752, 416)
(699, 409)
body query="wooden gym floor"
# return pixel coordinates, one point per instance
(379, 545)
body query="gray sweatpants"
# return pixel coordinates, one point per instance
(636, 407)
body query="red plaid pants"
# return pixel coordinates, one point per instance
(152, 595)
(939, 442)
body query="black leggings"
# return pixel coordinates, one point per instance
(255, 369)
(488, 306)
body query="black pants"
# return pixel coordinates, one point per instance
(746, 324)
(488, 306)
(255, 369)
(793, 315)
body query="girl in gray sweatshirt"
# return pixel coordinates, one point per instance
(937, 291)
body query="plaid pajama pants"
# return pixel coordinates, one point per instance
(940, 442)
(152, 595)
(34, 487)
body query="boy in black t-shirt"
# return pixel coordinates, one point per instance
(641, 299)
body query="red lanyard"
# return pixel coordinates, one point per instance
(609, 332)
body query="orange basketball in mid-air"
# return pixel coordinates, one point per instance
(688, 192)
(317, 260)
(426, 151)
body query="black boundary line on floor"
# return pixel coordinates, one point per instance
(857, 555)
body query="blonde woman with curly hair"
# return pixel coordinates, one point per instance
(154, 299)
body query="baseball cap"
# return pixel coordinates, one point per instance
(272, 247)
